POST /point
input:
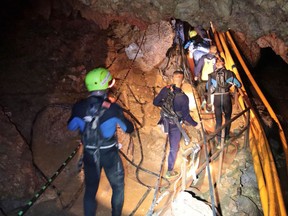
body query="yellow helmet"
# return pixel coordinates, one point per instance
(192, 33)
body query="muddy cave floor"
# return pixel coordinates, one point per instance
(36, 58)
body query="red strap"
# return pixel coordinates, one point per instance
(106, 104)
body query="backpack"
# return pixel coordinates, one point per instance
(221, 77)
(91, 136)
(208, 68)
(167, 108)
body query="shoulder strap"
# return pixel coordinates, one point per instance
(90, 135)
(167, 106)
(209, 89)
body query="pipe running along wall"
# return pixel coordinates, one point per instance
(264, 165)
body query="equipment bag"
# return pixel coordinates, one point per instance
(221, 77)
(167, 106)
(169, 115)
(208, 68)
(91, 136)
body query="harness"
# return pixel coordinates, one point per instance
(91, 137)
(169, 115)
(222, 85)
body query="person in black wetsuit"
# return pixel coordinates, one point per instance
(219, 83)
(97, 82)
(181, 108)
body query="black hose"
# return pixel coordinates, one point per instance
(150, 212)
(49, 182)
(140, 202)
(206, 152)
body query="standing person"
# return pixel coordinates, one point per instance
(100, 142)
(205, 66)
(180, 106)
(219, 83)
(178, 27)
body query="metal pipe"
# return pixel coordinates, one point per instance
(261, 95)
(263, 148)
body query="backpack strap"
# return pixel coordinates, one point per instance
(221, 77)
(173, 117)
(209, 90)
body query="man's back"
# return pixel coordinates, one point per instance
(205, 66)
(112, 116)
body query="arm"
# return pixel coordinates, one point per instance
(233, 80)
(186, 46)
(75, 124)
(114, 116)
(76, 121)
(158, 100)
(213, 83)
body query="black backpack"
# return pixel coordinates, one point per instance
(167, 108)
(167, 111)
(91, 136)
(221, 77)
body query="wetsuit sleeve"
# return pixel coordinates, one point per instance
(233, 80)
(76, 121)
(186, 46)
(213, 82)
(159, 99)
(114, 116)
(125, 124)
(75, 124)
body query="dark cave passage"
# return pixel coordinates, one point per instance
(271, 76)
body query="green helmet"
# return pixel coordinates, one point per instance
(98, 79)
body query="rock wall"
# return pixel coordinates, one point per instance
(256, 20)
(16, 167)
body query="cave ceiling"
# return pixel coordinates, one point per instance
(256, 23)
(254, 18)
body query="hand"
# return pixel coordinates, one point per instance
(112, 99)
(195, 82)
(134, 134)
(198, 126)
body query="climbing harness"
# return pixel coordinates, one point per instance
(169, 115)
